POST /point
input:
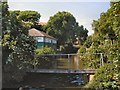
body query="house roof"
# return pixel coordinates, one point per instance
(37, 33)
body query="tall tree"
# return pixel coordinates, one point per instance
(106, 40)
(17, 47)
(64, 27)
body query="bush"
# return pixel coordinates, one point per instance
(82, 49)
(45, 50)
(42, 61)
(105, 78)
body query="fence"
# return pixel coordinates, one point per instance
(71, 61)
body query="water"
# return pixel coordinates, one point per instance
(57, 80)
(54, 80)
(68, 63)
(60, 62)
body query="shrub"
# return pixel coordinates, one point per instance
(42, 61)
(105, 78)
(45, 50)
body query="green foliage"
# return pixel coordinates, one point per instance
(88, 42)
(41, 52)
(45, 50)
(82, 49)
(106, 40)
(17, 46)
(64, 27)
(106, 78)
(41, 60)
(68, 48)
(28, 18)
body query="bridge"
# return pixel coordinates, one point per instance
(67, 63)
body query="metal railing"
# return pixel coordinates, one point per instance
(71, 61)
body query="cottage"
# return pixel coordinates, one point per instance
(43, 39)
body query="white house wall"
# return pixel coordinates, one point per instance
(54, 41)
(46, 40)
(40, 39)
(49, 40)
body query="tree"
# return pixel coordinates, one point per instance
(5, 13)
(106, 40)
(17, 47)
(28, 17)
(88, 42)
(64, 27)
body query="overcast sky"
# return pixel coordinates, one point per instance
(84, 12)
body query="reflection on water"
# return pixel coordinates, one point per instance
(54, 80)
(57, 80)
(61, 62)
(65, 63)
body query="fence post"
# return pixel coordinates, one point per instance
(68, 60)
(101, 59)
(68, 56)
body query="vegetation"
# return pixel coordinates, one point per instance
(106, 78)
(20, 54)
(28, 18)
(106, 40)
(41, 60)
(17, 46)
(45, 50)
(64, 27)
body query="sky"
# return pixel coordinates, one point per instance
(84, 11)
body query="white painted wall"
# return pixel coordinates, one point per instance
(39, 39)
(54, 41)
(47, 40)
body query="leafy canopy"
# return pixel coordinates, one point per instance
(106, 40)
(17, 46)
(63, 26)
